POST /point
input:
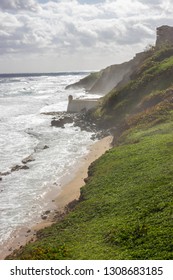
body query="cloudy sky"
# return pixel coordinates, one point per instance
(61, 35)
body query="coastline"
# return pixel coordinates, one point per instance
(70, 191)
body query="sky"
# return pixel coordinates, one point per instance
(73, 35)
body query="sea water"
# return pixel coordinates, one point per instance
(25, 130)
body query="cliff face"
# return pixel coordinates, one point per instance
(110, 77)
(87, 82)
(118, 75)
(106, 79)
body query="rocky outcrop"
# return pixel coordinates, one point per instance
(28, 159)
(61, 121)
(19, 167)
(80, 120)
(4, 173)
(87, 82)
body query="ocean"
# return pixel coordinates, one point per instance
(25, 130)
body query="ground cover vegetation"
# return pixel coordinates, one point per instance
(126, 207)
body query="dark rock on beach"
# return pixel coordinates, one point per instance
(28, 159)
(47, 212)
(44, 216)
(61, 121)
(79, 120)
(45, 147)
(4, 173)
(40, 147)
(25, 167)
(86, 180)
(15, 168)
(19, 167)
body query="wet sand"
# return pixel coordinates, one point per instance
(69, 192)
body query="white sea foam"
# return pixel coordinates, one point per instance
(24, 131)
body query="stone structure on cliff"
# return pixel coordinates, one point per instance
(79, 105)
(164, 36)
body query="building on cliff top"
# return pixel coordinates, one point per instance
(164, 36)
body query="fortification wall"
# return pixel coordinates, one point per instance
(164, 36)
(78, 105)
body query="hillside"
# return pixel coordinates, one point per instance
(146, 88)
(126, 207)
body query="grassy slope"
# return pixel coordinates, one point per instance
(126, 208)
(153, 76)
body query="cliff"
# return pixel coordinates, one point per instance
(106, 79)
(119, 74)
(87, 82)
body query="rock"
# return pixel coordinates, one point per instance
(86, 180)
(4, 173)
(45, 147)
(61, 121)
(71, 205)
(0, 178)
(28, 159)
(15, 168)
(18, 167)
(44, 217)
(25, 167)
(86, 82)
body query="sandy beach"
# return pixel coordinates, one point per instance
(69, 192)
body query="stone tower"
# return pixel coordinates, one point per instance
(164, 36)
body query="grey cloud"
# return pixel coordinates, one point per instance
(60, 28)
(19, 5)
(135, 33)
(151, 2)
(21, 35)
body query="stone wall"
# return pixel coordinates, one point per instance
(78, 105)
(164, 36)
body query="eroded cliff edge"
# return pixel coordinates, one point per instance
(118, 75)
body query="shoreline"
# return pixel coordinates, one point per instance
(70, 191)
